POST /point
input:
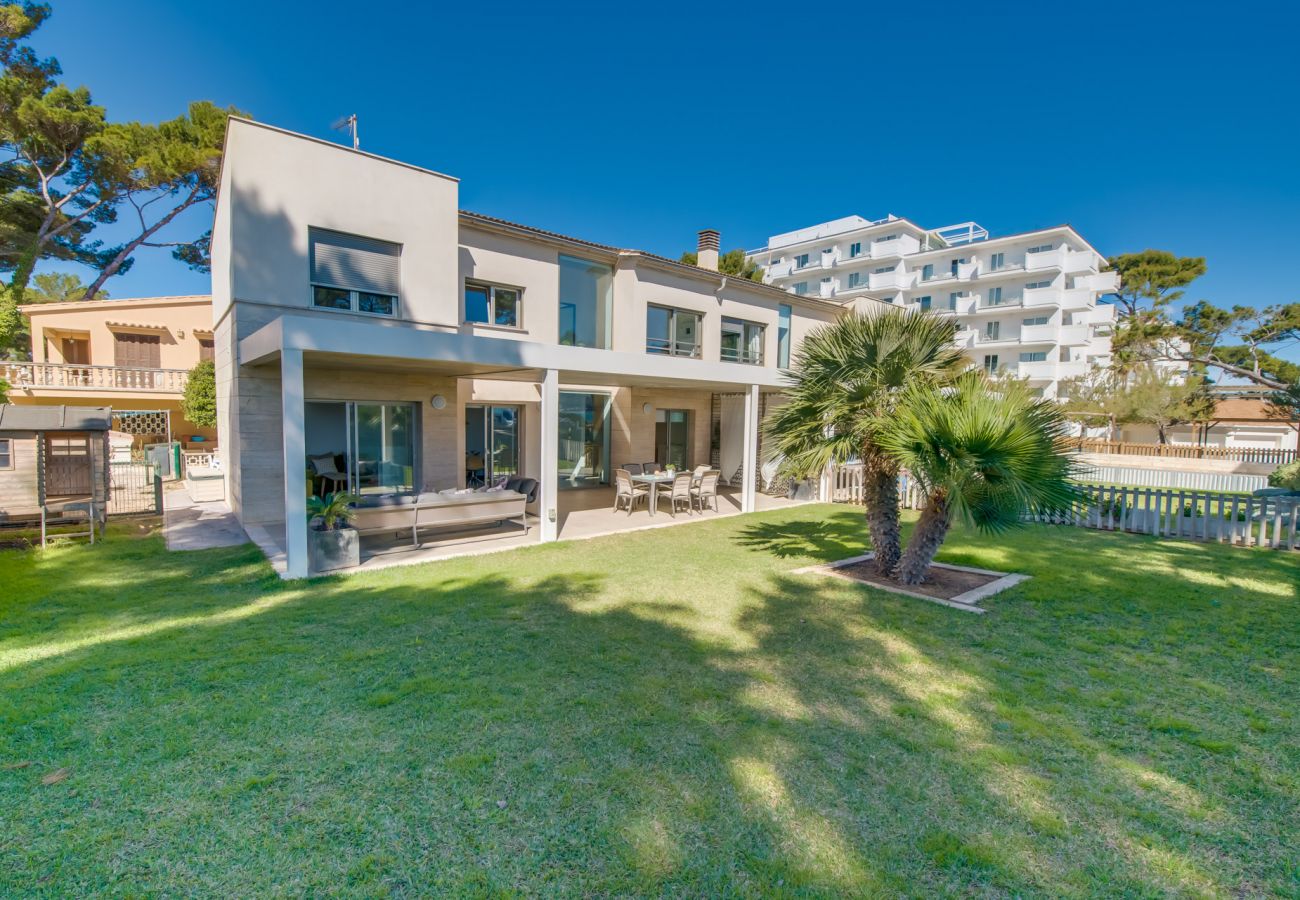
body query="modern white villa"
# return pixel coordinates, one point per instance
(1026, 304)
(371, 335)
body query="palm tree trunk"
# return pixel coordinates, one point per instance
(880, 494)
(927, 537)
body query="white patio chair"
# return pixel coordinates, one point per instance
(627, 491)
(706, 490)
(681, 492)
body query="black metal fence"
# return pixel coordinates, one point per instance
(134, 489)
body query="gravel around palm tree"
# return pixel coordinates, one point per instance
(843, 386)
(982, 453)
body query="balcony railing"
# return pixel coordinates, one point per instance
(665, 347)
(742, 355)
(57, 376)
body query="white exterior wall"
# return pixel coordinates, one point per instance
(276, 186)
(1077, 331)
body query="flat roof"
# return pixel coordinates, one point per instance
(75, 305)
(55, 418)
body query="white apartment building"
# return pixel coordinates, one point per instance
(1026, 304)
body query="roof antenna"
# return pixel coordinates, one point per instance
(350, 123)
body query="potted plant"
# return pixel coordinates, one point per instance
(332, 543)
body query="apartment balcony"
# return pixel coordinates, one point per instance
(968, 270)
(781, 270)
(826, 289)
(1101, 314)
(1039, 334)
(965, 340)
(1077, 298)
(1074, 335)
(1076, 261)
(48, 379)
(1038, 297)
(1049, 259)
(1100, 283)
(1052, 370)
(893, 280)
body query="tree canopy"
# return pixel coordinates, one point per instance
(732, 262)
(66, 169)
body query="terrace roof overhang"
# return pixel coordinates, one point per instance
(379, 346)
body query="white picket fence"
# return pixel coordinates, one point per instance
(1242, 521)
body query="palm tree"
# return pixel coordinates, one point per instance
(843, 386)
(983, 454)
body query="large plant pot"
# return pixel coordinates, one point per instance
(330, 550)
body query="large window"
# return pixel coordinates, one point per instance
(996, 261)
(784, 313)
(353, 273)
(925, 304)
(1034, 356)
(585, 297)
(583, 452)
(368, 446)
(672, 332)
(927, 271)
(991, 363)
(492, 304)
(993, 297)
(801, 287)
(742, 342)
(855, 249)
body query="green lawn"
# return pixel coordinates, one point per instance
(666, 712)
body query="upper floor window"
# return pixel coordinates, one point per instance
(672, 332)
(1037, 320)
(1037, 284)
(883, 269)
(784, 315)
(742, 341)
(1041, 248)
(801, 261)
(955, 263)
(801, 287)
(586, 291)
(925, 304)
(1034, 356)
(776, 261)
(927, 271)
(991, 363)
(6, 453)
(207, 350)
(492, 304)
(952, 299)
(354, 273)
(888, 237)
(855, 278)
(996, 261)
(855, 249)
(993, 297)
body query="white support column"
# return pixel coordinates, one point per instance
(747, 498)
(549, 478)
(295, 464)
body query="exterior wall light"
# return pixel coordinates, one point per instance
(438, 401)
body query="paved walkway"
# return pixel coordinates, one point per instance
(199, 526)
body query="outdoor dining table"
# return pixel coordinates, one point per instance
(654, 481)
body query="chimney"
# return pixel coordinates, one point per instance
(706, 252)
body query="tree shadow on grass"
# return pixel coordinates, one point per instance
(545, 722)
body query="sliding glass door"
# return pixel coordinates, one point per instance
(492, 447)
(384, 441)
(673, 437)
(369, 446)
(584, 439)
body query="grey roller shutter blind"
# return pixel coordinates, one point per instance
(354, 262)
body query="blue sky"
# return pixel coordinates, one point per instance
(1143, 125)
